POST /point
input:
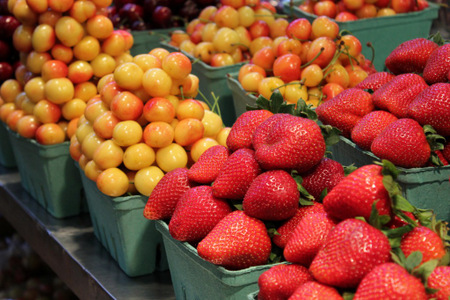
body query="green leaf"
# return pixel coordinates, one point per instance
(304, 202)
(238, 206)
(348, 295)
(323, 194)
(375, 219)
(349, 169)
(413, 260)
(398, 256)
(262, 103)
(276, 101)
(435, 140)
(400, 203)
(389, 169)
(425, 269)
(330, 134)
(437, 38)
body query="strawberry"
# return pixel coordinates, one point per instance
(272, 196)
(390, 281)
(375, 81)
(287, 228)
(410, 56)
(323, 176)
(370, 126)
(241, 132)
(354, 195)
(307, 238)
(238, 241)
(432, 107)
(299, 141)
(164, 197)
(260, 134)
(236, 175)
(425, 240)
(396, 95)
(206, 168)
(439, 279)
(346, 109)
(397, 222)
(313, 290)
(196, 214)
(446, 151)
(352, 249)
(280, 281)
(403, 142)
(441, 157)
(438, 65)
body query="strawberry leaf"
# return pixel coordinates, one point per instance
(435, 140)
(305, 196)
(330, 134)
(323, 194)
(437, 38)
(398, 256)
(389, 168)
(304, 110)
(413, 260)
(425, 269)
(395, 235)
(348, 295)
(377, 220)
(276, 255)
(349, 169)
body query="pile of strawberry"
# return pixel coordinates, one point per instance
(402, 115)
(223, 203)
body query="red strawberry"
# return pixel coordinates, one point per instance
(390, 281)
(370, 126)
(397, 222)
(241, 132)
(446, 151)
(307, 238)
(410, 56)
(323, 176)
(439, 279)
(236, 175)
(352, 249)
(375, 81)
(396, 95)
(298, 141)
(346, 109)
(432, 107)
(441, 158)
(313, 290)
(403, 142)
(425, 240)
(260, 133)
(238, 241)
(280, 281)
(287, 228)
(438, 65)
(272, 196)
(206, 168)
(164, 197)
(196, 214)
(354, 195)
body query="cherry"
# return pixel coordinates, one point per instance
(6, 71)
(8, 24)
(132, 12)
(162, 16)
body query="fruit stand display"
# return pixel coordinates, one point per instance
(238, 156)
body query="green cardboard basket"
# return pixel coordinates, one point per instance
(241, 98)
(427, 187)
(7, 157)
(214, 80)
(146, 40)
(120, 226)
(252, 296)
(48, 174)
(385, 33)
(195, 278)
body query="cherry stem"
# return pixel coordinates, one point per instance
(240, 44)
(314, 58)
(300, 83)
(182, 93)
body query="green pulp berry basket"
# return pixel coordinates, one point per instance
(385, 33)
(214, 80)
(120, 226)
(48, 174)
(7, 157)
(146, 40)
(427, 187)
(241, 98)
(195, 278)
